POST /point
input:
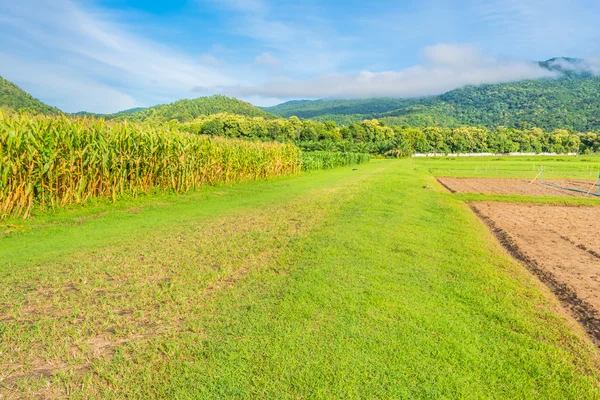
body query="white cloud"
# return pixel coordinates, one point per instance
(268, 59)
(590, 65)
(540, 28)
(211, 60)
(446, 67)
(303, 43)
(458, 55)
(87, 50)
(80, 57)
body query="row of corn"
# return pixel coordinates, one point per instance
(47, 162)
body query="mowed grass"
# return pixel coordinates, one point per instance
(338, 284)
(577, 167)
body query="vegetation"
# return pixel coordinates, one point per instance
(56, 161)
(188, 110)
(13, 98)
(566, 103)
(373, 136)
(337, 284)
(317, 108)
(318, 160)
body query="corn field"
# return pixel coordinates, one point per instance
(316, 160)
(48, 162)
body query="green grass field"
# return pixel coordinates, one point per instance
(582, 167)
(338, 284)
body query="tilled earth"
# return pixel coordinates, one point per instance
(518, 186)
(560, 244)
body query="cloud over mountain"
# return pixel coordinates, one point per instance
(444, 67)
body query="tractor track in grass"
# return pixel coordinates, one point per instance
(232, 245)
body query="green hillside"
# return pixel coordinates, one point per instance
(107, 116)
(318, 108)
(14, 98)
(187, 110)
(565, 103)
(569, 101)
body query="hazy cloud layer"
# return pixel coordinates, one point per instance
(445, 67)
(590, 65)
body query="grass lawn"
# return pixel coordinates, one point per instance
(581, 167)
(337, 284)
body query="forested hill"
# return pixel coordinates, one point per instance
(564, 103)
(571, 101)
(187, 110)
(14, 98)
(316, 108)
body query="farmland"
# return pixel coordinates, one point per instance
(367, 281)
(259, 199)
(556, 239)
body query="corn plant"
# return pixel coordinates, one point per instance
(48, 162)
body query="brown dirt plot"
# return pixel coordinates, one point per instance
(560, 245)
(508, 186)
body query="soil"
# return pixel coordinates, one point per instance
(560, 245)
(511, 186)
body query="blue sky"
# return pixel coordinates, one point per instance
(109, 55)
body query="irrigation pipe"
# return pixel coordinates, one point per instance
(571, 189)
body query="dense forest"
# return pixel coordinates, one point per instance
(13, 97)
(188, 110)
(373, 136)
(331, 108)
(183, 110)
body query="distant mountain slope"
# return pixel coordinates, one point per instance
(564, 103)
(14, 98)
(570, 101)
(316, 108)
(187, 110)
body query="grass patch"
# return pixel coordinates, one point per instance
(550, 200)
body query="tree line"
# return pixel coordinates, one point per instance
(375, 137)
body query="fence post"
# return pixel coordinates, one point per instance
(542, 177)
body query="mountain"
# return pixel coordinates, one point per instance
(563, 103)
(108, 116)
(187, 110)
(316, 108)
(14, 98)
(569, 101)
